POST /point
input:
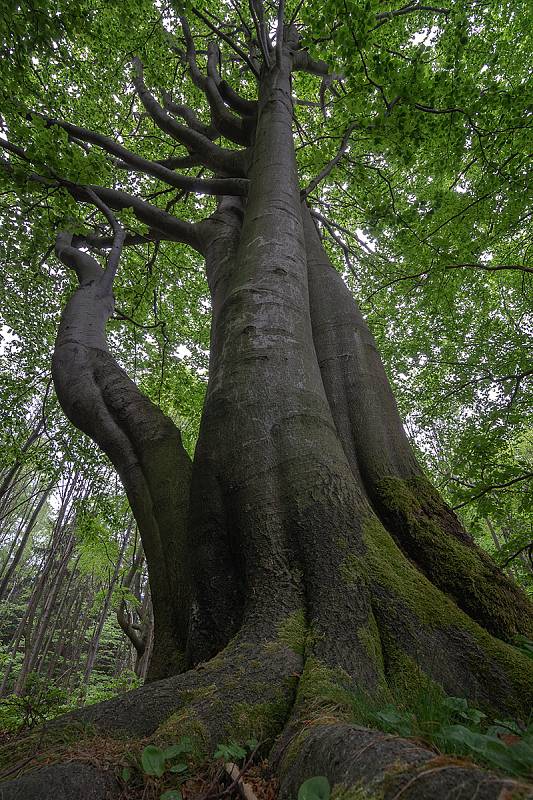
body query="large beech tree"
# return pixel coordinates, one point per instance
(302, 554)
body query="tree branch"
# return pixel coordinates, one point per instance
(228, 41)
(239, 104)
(528, 546)
(279, 31)
(331, 164)
(119, 234)
(85, 266)
(224, 121)
(216, 158)
(387, 16)
(214, 186)
(303, 62)
(493, 487)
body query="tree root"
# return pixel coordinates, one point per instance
(246, 691)
(363, 764)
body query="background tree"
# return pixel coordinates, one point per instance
(305, 540)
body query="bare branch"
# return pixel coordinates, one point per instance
(279, 31)
(491, 268)
(340, 228)
(241, 105)
(493, 487)
(410, 8)
(303, 62)
(119, 234)
(85, 266)
(179, 110)
(228, 41)
(223, 120)
(209, 186)
(217, 158)
(257, 13)
(528, 547)
(331, 164)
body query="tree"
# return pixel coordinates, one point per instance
(302, 557)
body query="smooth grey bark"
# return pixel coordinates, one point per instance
(298, 592)
(376, 445)
(278, 458)
(143, 444)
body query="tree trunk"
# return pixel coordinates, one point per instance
(29, 525)
(142, 443)
(307, 562)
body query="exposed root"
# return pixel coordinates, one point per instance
(362, 764)
(246, 691)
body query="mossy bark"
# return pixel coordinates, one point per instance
(375, 443)
(311, 580)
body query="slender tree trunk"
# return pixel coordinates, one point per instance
(104, 611)
(30, 524)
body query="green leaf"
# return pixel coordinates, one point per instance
(126, 774)
(171, 794)
(456, 703)
(230, 751)
(173, 751)
(181, 767)
(316, 788)
(153, 761)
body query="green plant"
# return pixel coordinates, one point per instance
(392, 720)
(454, 726)
(231, 751)
(515, 758)
(316, 788)
(155, 761)
(37, 702)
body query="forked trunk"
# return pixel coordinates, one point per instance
(307, 566)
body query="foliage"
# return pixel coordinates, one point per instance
(455, 727)
(38, 702)
(232, 751)
(172, 764)
(434, 243)
(316, 788)
(156, 761)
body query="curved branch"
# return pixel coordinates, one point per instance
(161, 224)
(228, 41)
(528, 546)
(219, 159)
(168, 226)
(186, 113)
(239, 104)
(99, 399)
(224, 121)
(331, 164)
(492, 487)
(214, 186)
(410, 8)
(303, 62)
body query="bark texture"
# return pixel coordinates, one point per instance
(304, 565)
(143, 444)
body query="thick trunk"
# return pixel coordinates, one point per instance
(370, 428)
(283, 480)
(312, 590)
